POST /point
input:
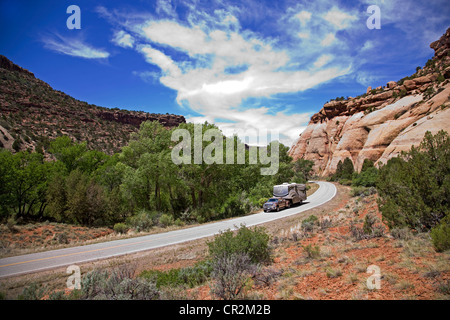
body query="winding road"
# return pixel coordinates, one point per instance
(29, 263)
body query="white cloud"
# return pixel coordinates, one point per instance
(73, 47)
(303, 16)
(323, 60)
(123, 39)
(156, 57)
(195, 58)
(165, 6)
(339, 19)
(328, 40)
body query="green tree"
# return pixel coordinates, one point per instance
(23, 181)
(414, 188)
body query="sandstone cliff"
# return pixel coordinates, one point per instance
(32, 113)
(381, 123)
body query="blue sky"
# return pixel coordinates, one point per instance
(244, 65)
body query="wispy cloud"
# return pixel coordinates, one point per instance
(123, 39)
(195, 57)
(73, 47)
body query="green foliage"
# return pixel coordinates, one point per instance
(166, 220)
(414, 188)
(367, 177)
(231, 275)
(441, 235)
(344, 170)
(309, 223)
(254, 243)
(190, 276)
(143, 220)
(120, 227)
(89, 187)
(118, 284)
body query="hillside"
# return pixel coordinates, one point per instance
(384, 121)
(32, 113)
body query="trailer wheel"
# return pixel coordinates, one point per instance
(278, 209)
(288, 205)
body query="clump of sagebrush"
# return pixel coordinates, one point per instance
(309, 223)
(312, 252)
(253, 242)
(118, 284)
(232, 274)
(371, 228)
(188, 276)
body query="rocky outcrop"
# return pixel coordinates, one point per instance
(32, 113)
(381, 123)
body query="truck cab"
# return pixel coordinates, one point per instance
(275, 204)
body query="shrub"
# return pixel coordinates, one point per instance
(312, 252)
(33, 292)
(117, 285)
(441, 235)
(166, 220)
(190, 276)
(309, 223)
(401, 233)
(231, 274)
(371, 228)
(413, 188)
(120, 228)
(143, 220)
(254, 243)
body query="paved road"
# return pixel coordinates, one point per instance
(77, 255)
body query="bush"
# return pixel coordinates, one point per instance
(166, 220)
(33, 292)
(413, 188)
(236, 205)
(190, 276)
(441, 235)
(254, 243)
(117, 285)
(312, 252)
(309, 223)
(371, 228)
(231, 274)
(120, 228)
(143, 220)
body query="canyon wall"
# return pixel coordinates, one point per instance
(384, 121)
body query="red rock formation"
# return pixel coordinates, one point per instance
(383, 122)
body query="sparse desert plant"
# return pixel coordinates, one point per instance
(34, 291)
(118, 284)
(333, 272)
(231, 274)
(309, 223)
(402, 233)
(312, 252)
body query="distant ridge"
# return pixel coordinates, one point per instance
(32, 113)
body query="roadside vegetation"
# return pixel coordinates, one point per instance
(413, 189)
(138, 188)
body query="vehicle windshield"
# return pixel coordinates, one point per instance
(280, 191)
(272, 200)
